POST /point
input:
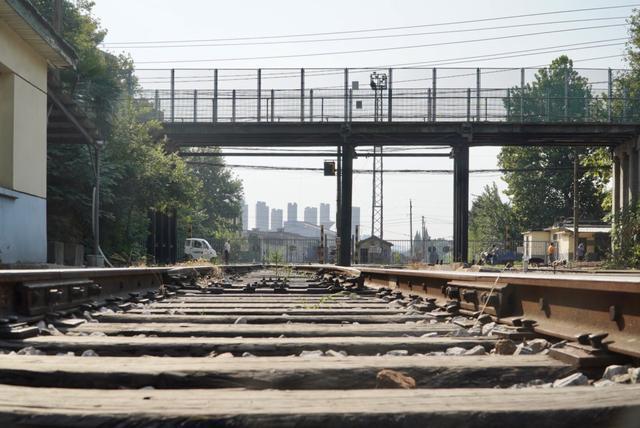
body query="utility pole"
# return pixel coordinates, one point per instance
(378, 82)
(411, 227)
(576, 213)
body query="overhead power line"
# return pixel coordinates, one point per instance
(384, 36)
(450, 61)
(396, 171)
(369, 30)
(385, 49)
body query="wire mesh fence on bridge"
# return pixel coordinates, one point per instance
(410, 95)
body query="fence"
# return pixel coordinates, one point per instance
(308, 250)
(256, 249)
(270, 250)
(409, 95)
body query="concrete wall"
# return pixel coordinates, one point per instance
(23, 150)
(23, 231)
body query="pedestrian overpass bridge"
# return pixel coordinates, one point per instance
(351, 108)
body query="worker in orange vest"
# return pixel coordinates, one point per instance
(551, 252)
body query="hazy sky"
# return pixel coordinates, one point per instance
(167, 20)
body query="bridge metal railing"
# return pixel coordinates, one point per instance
(538, 95)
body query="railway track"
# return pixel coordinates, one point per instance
(296, 348)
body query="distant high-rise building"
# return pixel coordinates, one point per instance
(245, 217)
(292, 211)
(355, 220)
(262, 216)
(325, 216)
(311, 215)
(276, 219)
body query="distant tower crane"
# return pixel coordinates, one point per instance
(378, 83)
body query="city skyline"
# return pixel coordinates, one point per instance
(322, 215)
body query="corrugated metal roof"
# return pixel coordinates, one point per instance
(591, 229)
(21, 17)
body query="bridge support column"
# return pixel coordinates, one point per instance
(626, 176)
(346, 184)
(460, 203)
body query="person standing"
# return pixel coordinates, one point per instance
(580, 251)
(227, 252)
(551, 252)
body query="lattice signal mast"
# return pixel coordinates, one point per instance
(378, 83)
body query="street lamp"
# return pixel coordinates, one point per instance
(378, 82)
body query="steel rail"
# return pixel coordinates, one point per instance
(599, 312)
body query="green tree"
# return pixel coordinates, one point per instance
(222, 196)
(540, 179)
(491, 220)
(138, 174)
(626, 238)
(97, 85)
(557, 94)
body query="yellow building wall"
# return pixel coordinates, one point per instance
(535, 243)
(23, 116)
(565, 243)
(6, 130)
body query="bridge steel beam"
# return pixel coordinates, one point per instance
(461, 203)
(399, 133)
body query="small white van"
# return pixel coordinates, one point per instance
(197, 248)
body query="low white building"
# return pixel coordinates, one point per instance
(595, 237)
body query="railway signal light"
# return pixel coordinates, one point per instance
(329, 168)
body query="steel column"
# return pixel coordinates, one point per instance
(566, 94)
(259, 106)
(350, 104)
(156, 104)
(460, 203)
(311, 105)
(390, 96)
(615, 194)
(346, 94)
(273, 105)
(233, 105)
(434, 75)
(345, 205)
(478, 95)
(609, 94)
(625, 97)
(302, 95)
(173, 95)
(215, 95)
(522, 95)
(195, 105)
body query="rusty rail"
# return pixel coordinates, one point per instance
(599, 312)
(28, 293)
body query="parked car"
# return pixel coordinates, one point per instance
(197, 248)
